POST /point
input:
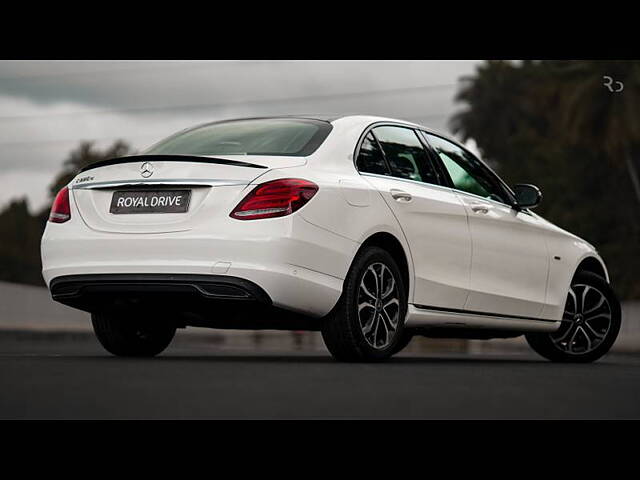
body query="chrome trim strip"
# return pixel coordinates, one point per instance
(416, 182)
(422, 317)
(484, 199)
(207, 182)
(440, 187)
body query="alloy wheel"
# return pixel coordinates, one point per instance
(378, 305)
(586, 321)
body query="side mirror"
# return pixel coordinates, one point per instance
(527, 196)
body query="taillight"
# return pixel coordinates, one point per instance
(60, 210)
(276, 198)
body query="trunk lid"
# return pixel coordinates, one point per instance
(215, 184)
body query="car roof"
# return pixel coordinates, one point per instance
(322, 118)
(370, 119)
(365, 119)
(331, 118)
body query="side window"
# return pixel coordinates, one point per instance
(466, 172)
(370, 158)
(405, 154)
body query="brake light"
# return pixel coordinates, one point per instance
(276, 198)
(61, 210)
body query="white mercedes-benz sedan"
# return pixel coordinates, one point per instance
(369, 229)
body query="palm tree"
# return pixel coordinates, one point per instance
(494, 92)
(592, 115)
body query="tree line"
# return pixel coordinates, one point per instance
(21, 230)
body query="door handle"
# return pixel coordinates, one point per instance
(400, 196)
(480, 208)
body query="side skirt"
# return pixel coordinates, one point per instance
(419, 316)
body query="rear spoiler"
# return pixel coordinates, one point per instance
(170, 158)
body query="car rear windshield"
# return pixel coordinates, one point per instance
(273, 136)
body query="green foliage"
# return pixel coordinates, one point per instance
(556, 125)
(20, 231)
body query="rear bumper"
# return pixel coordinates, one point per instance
(299, 266)
(86, 292)
(217, 301)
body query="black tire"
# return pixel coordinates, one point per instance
(584, 328)
(342, 331)
(130, 335)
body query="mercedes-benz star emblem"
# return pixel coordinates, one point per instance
(146, 169)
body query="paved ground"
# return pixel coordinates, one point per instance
(51, 367)
(70, 377)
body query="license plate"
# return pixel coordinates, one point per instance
(150, 201)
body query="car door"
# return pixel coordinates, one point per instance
(510, 259)
(432, 217)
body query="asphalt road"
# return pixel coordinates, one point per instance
(75, 379)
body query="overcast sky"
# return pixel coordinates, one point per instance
(48, 107)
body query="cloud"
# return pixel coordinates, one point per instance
(48, 107)
(145, 83)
